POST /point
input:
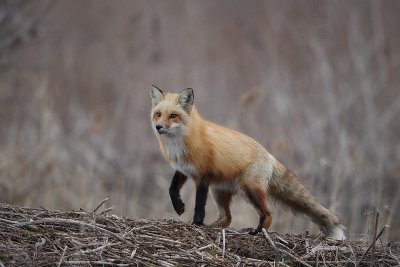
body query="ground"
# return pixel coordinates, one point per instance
(39, 237)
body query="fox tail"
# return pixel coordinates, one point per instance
(286, 188)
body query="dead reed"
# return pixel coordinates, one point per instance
(62, 238)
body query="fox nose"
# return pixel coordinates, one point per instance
(159, 127)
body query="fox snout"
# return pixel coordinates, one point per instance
(160, 129)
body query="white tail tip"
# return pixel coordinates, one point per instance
(337, 232)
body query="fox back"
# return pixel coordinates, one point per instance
(229, 162)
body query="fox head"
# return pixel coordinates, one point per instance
(170, 113)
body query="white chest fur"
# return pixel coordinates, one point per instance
(176, 151)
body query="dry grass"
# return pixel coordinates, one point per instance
(318, 87)
(42, 237)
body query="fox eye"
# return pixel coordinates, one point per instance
(173, 116)
(158, 114)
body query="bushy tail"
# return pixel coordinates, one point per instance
(285, 187)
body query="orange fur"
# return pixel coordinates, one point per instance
(230, 162)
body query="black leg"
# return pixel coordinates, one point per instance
(201, 199)
(174, 192)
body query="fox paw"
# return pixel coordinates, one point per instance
(179, 207)
(198, 218)
(254, 232)
(198, 223)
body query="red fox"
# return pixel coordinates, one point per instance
(227, 162)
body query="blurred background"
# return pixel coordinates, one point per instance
(316, 82)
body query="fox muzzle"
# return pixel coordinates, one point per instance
(161, 129)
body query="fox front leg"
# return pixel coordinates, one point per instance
(201, 199)
(174, 192)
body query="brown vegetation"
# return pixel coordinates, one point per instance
(38, 237)
(315, 82)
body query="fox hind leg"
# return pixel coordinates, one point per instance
(223, 200)
(258, 197)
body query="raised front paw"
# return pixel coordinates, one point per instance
(179, 207)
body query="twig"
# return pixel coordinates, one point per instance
(374, 240)
(90, 263)
(165, 263)
(44, 209)
(283, 240)
(62, 256)
(161, 238)
(223, 243)
(70, 221)
(379, 235)
(239, 260)
(202, 248)
(335, 263)
(255, 260)
(394, 257)
(133, 252)
(8, 221)
(283, 251)
(98, 206)
(328, 248)
(96, 249)
(41, 242)
(107, 210)
(268, 238)
(354, 255)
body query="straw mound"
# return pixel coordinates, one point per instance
(69, 238)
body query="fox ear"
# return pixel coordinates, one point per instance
(185, 99)
(156, 95)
